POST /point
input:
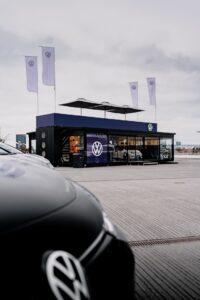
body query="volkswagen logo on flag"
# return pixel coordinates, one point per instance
(31, 63)
(48, 54)
(133, 87)
(151, 82)
(66, 277)
(97, 148)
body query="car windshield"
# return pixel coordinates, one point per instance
(3, 152)
(7, 149)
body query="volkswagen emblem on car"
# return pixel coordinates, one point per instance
(97, 148)
(66, 277)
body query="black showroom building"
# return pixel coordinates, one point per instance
(76, 140)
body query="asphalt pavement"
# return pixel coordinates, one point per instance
(158, 209)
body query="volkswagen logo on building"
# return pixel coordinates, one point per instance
(66, 277)
(150, 127)
(97, 148)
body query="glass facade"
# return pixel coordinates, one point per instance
(102, 148)
(131, 148)
(93, 140)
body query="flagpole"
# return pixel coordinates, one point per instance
(55, 98)
(37, 104)
(155, 103)
(54, 81)
(54, 86)
(37, 89)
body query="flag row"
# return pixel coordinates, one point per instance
(48, 69)
(151, 84)
(48, 76)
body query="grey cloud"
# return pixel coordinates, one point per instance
(12, 45)
(185, 63)
(152, 57)
(63, 50)
(184, 108)
(145, 57)
(193, 102)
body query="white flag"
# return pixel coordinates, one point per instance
(151, 82)
(48, 63)
(134, 93)
(31, 73)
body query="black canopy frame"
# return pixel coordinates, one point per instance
(104, 106)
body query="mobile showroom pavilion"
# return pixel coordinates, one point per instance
(78, 141)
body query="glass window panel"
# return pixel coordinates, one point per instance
(139, 141)
(151, 149)
(151, 141)
(166, 148)
(139, 148)
(117, 148)
(76, 144)
(33, 146)
(135, 148)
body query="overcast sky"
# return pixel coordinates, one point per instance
(101, 45)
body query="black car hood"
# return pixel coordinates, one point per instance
(41, 212)
(37, 204)
(28, 192)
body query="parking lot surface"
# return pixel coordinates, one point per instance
(158, 208)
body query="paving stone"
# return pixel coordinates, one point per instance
(152, 203)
